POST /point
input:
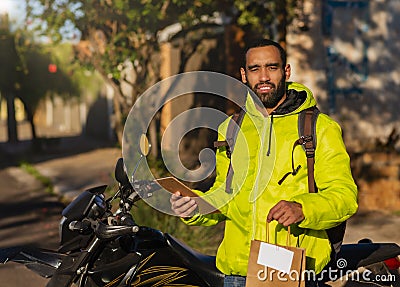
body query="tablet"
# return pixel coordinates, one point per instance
(172, 185)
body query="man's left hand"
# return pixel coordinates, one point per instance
(286, 213)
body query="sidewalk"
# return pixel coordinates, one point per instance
(72, 165)
(28, 214)
(73, 174)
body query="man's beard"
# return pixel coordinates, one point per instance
(272, 98)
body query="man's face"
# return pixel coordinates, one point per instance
(265, 75)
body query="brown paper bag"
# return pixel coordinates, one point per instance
(262, 276)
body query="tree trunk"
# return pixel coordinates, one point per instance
(234, 42)
(29, 115)
(11, 120)
(8, 60)
(234, 49)
(281, 12)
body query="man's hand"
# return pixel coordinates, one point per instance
(286, 213)
(182, 206)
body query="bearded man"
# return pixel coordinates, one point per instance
(262, 188)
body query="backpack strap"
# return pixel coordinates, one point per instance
(231, 135)
(308, 139)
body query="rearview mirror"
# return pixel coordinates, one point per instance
(120, 174)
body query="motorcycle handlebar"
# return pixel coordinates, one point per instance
(108, 232)
(81, 226)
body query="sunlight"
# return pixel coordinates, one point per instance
(6, 6)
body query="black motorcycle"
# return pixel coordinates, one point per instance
(99, 247)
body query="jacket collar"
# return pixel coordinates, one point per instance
(298, 98)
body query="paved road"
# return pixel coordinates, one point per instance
(29, 216)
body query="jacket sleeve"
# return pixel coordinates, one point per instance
(217, 190)
(336, 199)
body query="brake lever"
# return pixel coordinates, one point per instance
(108, 232)
(80, 226)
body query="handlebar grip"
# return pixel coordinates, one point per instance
(108, 232)
(81, 226)
(127, 220)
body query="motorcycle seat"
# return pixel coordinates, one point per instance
(363, 254)
(203, 265)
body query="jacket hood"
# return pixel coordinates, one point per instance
(298, 98)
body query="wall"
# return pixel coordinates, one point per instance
(362, 69)
(364, 41)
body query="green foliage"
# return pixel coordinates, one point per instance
(45, 181)
(8, 60)
(120, 29)
(111, 32)
(79, 79)
(24, 71)
(36, 82)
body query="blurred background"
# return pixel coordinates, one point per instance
(70, 71)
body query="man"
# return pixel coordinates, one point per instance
(268, 132)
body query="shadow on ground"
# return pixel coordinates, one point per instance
(12, 154)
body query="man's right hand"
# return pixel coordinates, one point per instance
(184, 207)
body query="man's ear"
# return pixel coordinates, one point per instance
(288, 71)
(243, 74)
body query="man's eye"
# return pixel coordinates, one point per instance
(273, 68)
(253, 69)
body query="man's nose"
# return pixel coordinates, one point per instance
(264, 75)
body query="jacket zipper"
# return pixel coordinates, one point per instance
(260, 158)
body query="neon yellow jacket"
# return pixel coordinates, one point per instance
(261, 157)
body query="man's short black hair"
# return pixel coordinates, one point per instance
(267, 42)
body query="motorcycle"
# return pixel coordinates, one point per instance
(99, 247)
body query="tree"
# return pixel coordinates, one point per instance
(25, 74)
(41, 75)
(114, 31)
(8, 75)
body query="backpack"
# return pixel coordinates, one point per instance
(308, 140)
